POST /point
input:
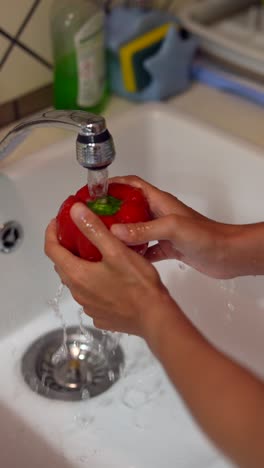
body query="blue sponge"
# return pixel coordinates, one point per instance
(167, 71)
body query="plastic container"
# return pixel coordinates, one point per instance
(77, 31)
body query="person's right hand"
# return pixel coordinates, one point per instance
(210, 247)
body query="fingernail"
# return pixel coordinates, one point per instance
(120, 230)
(78, 212)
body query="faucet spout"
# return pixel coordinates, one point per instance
(94, 145)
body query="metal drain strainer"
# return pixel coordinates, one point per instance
(87, 366)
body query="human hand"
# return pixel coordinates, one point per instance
(184, 234)
(117, 291)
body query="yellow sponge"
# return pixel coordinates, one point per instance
(135, 52)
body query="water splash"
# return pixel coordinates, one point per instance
(55, 304)
(111, 375)
(34, 383)
(112, 340)
(142, 376)
(134, 397)
(62, 352)
(85, 394)
(229, 313)
(143, 391)
(83, 420)
(109, 341)
(83, 329)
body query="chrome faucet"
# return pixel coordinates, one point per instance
(94, 145)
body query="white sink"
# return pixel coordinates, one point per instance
(141, 421)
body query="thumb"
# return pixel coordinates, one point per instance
(163, 228)
(187, 235)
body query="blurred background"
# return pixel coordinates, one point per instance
(27, 51)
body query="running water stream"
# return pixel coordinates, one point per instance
(97, 181)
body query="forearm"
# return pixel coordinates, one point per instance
(245, 252)
(226, 400)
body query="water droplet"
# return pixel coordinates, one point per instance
(60, 354)
(83, 420)
(85, 394)
(141, 421)
(34, 383)
(111, 375)
(231, 307)
(232, 286)
(223, 284)
(43, 378)
(146, 389)
(133, 397)
(182, 266)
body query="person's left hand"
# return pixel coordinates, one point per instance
(116, 292)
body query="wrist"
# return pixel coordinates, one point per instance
(158, 317)
(245, 250)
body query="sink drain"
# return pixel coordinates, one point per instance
(85, 367)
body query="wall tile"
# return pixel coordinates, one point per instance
(21, 74)
(4, 43)
(7, 113)
(13, 13)
(35, 101)
(36, 34)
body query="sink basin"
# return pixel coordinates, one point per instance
(140, 422)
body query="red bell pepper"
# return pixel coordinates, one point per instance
(123, 204)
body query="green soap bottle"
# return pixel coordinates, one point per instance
(77, 31)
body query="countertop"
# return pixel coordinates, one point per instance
(231, 114)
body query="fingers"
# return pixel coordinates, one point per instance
(161, 203)
(135, 181)
(96, 315)
(162, 251)
(155, 254)
(152, 193)
(184, 236)
(95, 230)
(51, 232)
(138, 233)
(58, 254)
(63, 277)
(104, 325)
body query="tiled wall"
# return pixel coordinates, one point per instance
(26, 57)
(25, 52)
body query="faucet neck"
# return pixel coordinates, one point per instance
(96, 150)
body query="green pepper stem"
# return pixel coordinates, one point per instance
(105, 206)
